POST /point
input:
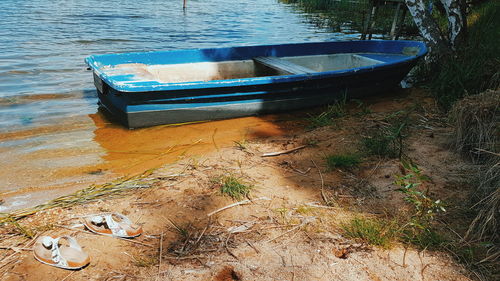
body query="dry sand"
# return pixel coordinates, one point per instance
(287, 234)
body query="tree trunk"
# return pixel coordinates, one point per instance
(428, 27)
(457, 22)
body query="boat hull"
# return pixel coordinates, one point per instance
(220, 101)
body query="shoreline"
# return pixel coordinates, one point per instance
(295, 233)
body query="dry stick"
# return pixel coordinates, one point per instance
(301, 172)
(490, 152)
(270, 154)
(201, 235)
(404, 256)
(236, 204)
(323, 195)
(92, 233)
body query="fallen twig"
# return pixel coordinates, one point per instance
(487, 151)
(236, 204)
(301, 172)
(270, 154)
(323, 195)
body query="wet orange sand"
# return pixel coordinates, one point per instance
(134, 151)
(48, 161)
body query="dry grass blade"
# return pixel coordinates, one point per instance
(323, 195)
(89, 194)
(476, 124)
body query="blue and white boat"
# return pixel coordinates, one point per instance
(170, 87)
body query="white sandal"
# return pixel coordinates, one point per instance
(52, 251)
(113, 224)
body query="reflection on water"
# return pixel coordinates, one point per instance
(52, 137)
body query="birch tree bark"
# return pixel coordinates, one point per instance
(427, 26)
(456, 21)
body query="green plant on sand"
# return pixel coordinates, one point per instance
(342, 161)
(373, 231)
(326, 117)
(388, 139)
(233, 187)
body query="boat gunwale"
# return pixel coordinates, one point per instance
(155, 86)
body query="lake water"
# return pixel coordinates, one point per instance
(52, 137)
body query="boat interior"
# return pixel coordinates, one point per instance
(256, 67)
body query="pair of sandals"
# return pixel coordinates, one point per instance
(65, 252)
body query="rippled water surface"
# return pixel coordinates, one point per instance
(49, 125)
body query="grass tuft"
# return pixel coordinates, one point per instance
(388, 140)
(342, 161)
(326, 118)
(372, 231)
(233, 187)
(423, 238)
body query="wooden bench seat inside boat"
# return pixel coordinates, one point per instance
(282, 66)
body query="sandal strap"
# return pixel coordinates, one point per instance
(56, 257)
(116, 228)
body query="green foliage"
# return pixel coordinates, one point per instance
(233, 187)
(425, 207)
(326, 117)
(418, 230)
(423, 237)
(342, 161)
(387, 141)
(364, 109)
(341, 14)
(379, 143)
(372, 231)
(475, 65)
